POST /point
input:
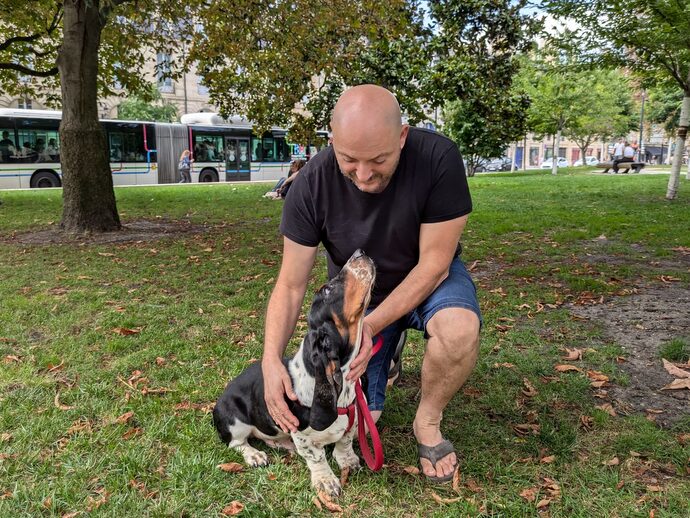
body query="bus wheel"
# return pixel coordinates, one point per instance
(208, 175)
(45, 179)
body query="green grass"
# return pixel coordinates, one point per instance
(198, 301)
(676, 350)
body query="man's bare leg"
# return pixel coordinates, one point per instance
(451, 353)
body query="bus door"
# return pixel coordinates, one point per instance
(237, 159)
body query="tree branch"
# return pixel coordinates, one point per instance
(57, 17)
(28, 71)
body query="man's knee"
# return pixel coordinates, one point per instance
(456, 332)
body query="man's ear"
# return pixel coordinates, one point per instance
(328, 382)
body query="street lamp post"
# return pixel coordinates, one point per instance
(640, 158)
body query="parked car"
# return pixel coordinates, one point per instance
(548, 163)
(590, 160)
(498, 164)
(481, 165)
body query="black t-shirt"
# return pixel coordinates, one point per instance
(429, 186)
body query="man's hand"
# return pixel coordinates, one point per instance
(277, 384)
(359, 364)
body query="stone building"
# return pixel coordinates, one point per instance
(187, 93)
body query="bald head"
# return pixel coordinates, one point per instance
(367, 106)
(368, 136)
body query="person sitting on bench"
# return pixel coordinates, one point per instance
(628, 154)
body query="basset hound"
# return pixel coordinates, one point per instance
(318, 373)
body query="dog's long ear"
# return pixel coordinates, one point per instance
(329, 381)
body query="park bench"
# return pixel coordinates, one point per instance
(623, 167)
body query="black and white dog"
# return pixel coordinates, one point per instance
(318, 373)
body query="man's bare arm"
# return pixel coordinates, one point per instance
(437, 246)
(281, 317)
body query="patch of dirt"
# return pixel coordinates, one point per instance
(132, 231)
(641, 324)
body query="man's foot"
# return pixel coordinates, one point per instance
(437, 456)
(433, 454)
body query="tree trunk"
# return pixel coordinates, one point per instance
(88, 195)
(672, 189)
(556, 147)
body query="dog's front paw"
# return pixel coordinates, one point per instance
(256, 458)
(329, 484)
(347, 461)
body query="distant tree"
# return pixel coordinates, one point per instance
(663, 107)
(559, 96)
(476, 51)
(648, 37)
(609, 112)
(138, 108)
(483, 127)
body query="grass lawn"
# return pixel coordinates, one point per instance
(110, 356)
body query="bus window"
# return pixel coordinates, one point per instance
(39, 145)
(256, 150)
(208, 147)
(275, 149)
(126, 142)
(8, 144)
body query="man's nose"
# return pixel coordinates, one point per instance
(364, 173)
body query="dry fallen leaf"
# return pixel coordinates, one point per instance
(456, 480)
(505, 364)
(60, 405)
(543, 503)
(328, 503)
(124, 418)
(620, 485)
(597, 376)
(613, 462)
(472, 485)
(272, 477)
(123, 331)
(132, 432)
(344, 473)
(5, 437)
(573, 354)
(529, 390)
(678, 384)
(442, 500)
(675, 371)
(411, 470)
(567, 368)
(529, 494)
(233, 509)
(231, 467)
(548, 460)
(586, 422)
(654, 489)
(527, 429)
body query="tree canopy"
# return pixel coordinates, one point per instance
(138, 108)
(646, 37)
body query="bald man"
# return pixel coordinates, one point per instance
(401, 195)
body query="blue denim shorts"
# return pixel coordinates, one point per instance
(456, 291)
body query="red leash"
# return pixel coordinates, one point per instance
(375, 460)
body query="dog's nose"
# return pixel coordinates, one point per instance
(358, 253)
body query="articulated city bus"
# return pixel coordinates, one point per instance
(144, 153)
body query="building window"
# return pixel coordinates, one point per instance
(24, 104)
(165, 83)
(200, 87)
